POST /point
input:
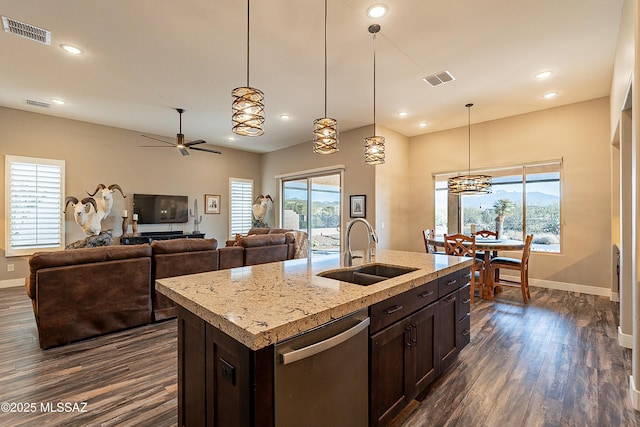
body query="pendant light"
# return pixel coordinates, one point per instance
(248, 103)
(374, 145)
(325, 129)
(469, 184)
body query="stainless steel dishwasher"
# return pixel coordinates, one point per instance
(322, 376)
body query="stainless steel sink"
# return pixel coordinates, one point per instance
(384, 270)
(367, 274)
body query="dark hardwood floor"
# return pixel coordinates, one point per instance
(555, 362)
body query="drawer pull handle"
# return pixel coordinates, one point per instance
(450, 299)
(466, 332)
(394, 309)
(452, 282)
(467, 301)
(467, 276)
(426, 294)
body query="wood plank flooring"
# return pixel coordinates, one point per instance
(555, 362)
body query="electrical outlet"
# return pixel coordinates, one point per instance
(11, 267)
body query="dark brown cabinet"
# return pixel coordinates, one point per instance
(415, 336)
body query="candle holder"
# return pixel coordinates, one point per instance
(124, 225)
(134, 226)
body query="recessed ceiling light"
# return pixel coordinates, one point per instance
(403, 114)
(423, 124)
(71, 49)
(550, 95)
(543, 75)
(377, 11)
(285, 116)
(57, 101)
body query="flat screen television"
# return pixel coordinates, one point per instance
(160, 209)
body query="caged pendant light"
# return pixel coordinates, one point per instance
(469, 184)
(374, 145)
(248, 103)
(325, 129)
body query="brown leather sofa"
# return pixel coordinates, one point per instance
(177, 258)
(83, 293)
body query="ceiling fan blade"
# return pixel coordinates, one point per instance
(156, 139)
(156, 146)
(184, 151)
(204, 149)
(196, 142)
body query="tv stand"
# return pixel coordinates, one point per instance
(150, 236)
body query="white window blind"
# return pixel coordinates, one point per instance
(241, 199)
(34, 189)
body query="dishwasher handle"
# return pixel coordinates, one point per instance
(303, 353)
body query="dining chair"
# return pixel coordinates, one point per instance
(513, 264)
(488, 234)
(431, 247)
(463, 245)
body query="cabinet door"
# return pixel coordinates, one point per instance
(424, 351)
(447, 348)
(389, 354)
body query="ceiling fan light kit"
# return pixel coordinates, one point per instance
(248, 103)
(374, 145)
(325, 129)
(469, 184)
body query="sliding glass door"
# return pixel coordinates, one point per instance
(312, 204)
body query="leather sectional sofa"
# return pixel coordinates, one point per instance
(83, 293)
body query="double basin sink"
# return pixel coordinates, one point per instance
(366, 275)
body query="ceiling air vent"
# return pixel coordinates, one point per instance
(27, 31)
(37, 103)
(439, 78)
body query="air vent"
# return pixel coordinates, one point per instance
(37, 103)
(27, 31)
(439, 78)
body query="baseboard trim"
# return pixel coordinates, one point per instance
(11, 283)
(634, 394)
(624, 340)
(564, 286)
(615, 297)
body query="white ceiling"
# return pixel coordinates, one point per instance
(143, 58)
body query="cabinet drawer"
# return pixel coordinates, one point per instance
(464, 301)
(465, 275)
(386, 312)
(449, 283)
(463, 332)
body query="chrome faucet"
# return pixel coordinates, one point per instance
(372, 238)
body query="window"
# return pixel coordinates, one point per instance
(34, 189)
(525, 200)
(241, 200)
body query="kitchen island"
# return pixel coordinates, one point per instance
(230, 320)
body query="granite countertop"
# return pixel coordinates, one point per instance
(262, 304)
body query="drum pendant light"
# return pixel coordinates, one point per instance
(374, 145)
(248, 103)
(325, 129)
(469, 184)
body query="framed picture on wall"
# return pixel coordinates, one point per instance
(358, 206)
(211, 204)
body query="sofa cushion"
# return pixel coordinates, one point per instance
(183, 245)
(262, 240)
(41, 260)
(257, 230)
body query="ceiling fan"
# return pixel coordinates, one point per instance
(182, 146)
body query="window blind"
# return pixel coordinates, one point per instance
(241, 200)
(34, 194)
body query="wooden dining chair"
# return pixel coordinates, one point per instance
(463, 245)
(513, 264)
(488, 234)
(430, 247)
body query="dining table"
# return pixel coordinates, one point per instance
(488, 245)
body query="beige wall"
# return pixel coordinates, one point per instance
(394, 200)
(101, 154)
(577, 133)
(624, 64)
